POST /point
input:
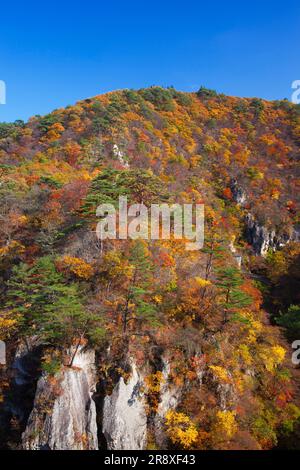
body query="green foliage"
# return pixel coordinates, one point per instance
(141, 286)
(206, 93)
(257, 106)
(284, 104)
(212, 123)
(282, 295)
(106, 188)
(108, 116)
(264, 431)
(47, 121)
(184, 99)
(50, 181)
(290, 320)
(229, 280)
(156, 298)
(161, 98)
(139, 307)
(241, 107)
(254, 173)
(138, 185)
(49, 307)
(151, 115)
(97, 335)
(8, 129)
(132, 96)
(51, 367)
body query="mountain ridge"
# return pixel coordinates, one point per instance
(186, 334)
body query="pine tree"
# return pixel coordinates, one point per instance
(50, 308)
(138, 306)
(229, 280)
(106, 188)
(139, 186)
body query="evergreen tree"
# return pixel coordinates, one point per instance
(291, 321)
(229, 280)
(139, 186)
(138, 306)
(50, 308)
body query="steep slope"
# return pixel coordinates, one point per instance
(212, 371)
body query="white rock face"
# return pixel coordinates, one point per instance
(226, 395)
(238, 258)
(124, 415)
(120, 156)
(263, 239)
(169, 399)
(239, 195)
(169, 395)
(65, 420)
(2, 353)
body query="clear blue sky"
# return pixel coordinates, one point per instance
(55, 53)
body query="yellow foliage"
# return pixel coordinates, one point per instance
(202, 282)
(227, 156)
(275, 194)
(180, 429)
(242, 156)
(13, 248)
(115, 265)
(195, 160)
(8, 324)
(154, 382)
(253, 328)
(78, 267)
(226, 423)
(220, 373)
(21, 220)
(245, 355)
(272, 357)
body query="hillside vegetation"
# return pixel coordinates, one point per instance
(212, 313)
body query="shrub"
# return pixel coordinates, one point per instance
(51, 366)
(206, 92)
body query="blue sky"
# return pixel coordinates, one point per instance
(55, 53)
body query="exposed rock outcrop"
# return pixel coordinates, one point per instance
(24, 372)
(120, 156)
(238, 193)
(226, 396)
(169, 399)
(263, 239)
(259, 236)
(237, 256)
(124, 414)
(23, 362)
(64, 412)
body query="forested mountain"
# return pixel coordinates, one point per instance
(142, 344)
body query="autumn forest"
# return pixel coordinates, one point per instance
(142, 344)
